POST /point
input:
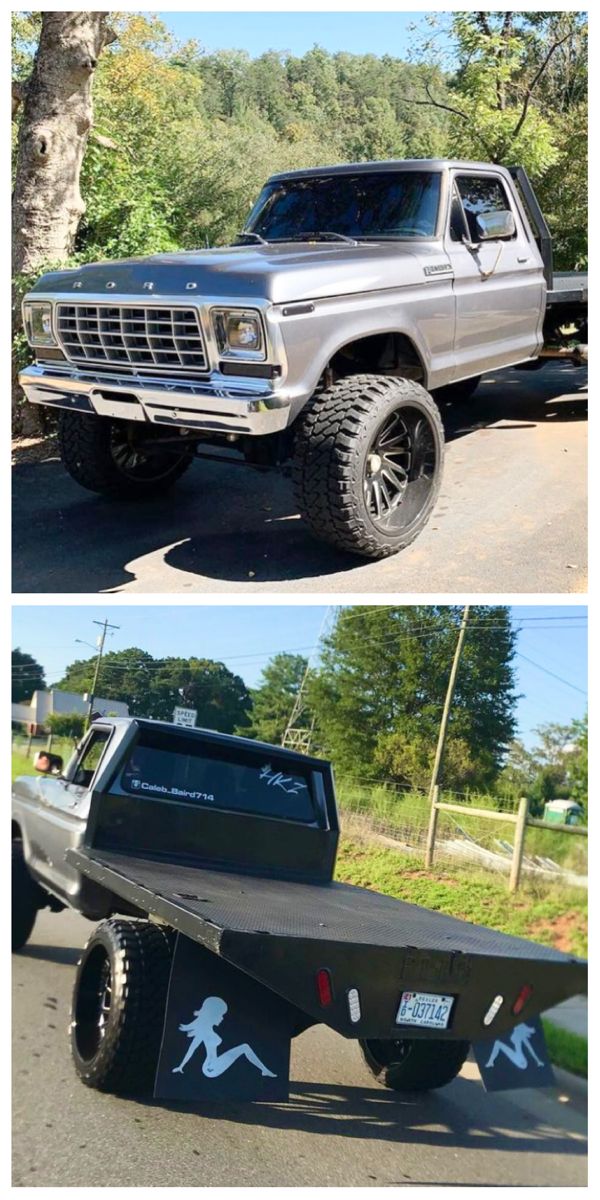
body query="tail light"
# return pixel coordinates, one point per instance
(521, 1000)
(324, 987)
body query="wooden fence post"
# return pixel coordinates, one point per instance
(431, 832)
(519, 844)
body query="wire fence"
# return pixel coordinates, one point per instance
(399, 819)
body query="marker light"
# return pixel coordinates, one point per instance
(494, 1008)
(354, 1005)
(522, 998)
(324, 987)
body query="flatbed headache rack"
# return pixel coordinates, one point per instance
(282, 931)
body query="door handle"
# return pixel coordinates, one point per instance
(523, 259)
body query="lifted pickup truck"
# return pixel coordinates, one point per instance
(227, 848)
(352, 294)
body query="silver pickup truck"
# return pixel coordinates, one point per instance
(352, 294)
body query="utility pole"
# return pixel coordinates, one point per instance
(296, 736)
(104, 625)
(439, 753)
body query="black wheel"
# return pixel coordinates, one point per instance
(27, 898)
(106, 456)
(119, 1005)
(457, 392)
(414, 1064)
(368, 463)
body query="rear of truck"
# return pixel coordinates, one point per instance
(231, 844)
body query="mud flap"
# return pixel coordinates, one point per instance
(225, 1037)
(518, 1059)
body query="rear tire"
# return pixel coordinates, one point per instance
(368, 461)
(456, 393)
(99, 455)
(118, 1006)
(27, 898)
(414, 1064)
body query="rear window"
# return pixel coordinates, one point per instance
(200, 774)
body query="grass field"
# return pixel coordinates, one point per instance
(547, 913)
(567, 1050)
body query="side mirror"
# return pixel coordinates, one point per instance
(495, 225)
(48, 764)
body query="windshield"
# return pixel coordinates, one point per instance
(367, 205)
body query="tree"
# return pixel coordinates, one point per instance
(27, 676)
(273, 699)
(555, 768)
(379, 693)
(154, 687)
(66, 725)
(55, 125)
(496, 98)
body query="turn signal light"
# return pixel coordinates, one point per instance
(522, 998)
(324, 987)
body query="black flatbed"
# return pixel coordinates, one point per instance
(285, 908)
(281, 931)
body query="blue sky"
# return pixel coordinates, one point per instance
(554, 637)
(356, 32)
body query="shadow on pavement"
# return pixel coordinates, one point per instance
(226, 523)
(371, 1113)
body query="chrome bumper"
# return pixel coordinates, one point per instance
(216, 404)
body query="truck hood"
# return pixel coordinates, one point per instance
(277, 273)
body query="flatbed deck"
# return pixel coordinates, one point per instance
(280, 931)
(569, 287)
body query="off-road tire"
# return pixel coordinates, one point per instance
(85, 442)
(456, 393)
(421, 1065)
(123, 1058)
(332, 440)
(27, 898)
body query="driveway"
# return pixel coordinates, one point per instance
(339, 1128)
(511, 516)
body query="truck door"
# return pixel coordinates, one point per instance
(63, 812)
(499, 283)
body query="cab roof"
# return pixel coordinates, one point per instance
(393, 164)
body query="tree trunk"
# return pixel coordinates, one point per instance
(57, 118)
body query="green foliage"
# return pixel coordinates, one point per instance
(273, 699)
(556, 767)
(379, 693)
(66, 725)
(27, 676)
(566, 1049)
(154, 687)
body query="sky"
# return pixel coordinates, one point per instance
(553, 637)
(355, 32)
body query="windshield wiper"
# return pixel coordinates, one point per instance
(257, 238)
(324, 235)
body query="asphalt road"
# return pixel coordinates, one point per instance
(511, 516)
(338, 1129)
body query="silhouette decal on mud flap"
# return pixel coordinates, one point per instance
(202, 1032)
(225, 1037)
(518, 1059)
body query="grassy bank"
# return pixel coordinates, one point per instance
(547, 913)
(567, 1050)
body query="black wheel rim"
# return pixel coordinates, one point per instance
(141, 463)
(389, 1053)
(93, 1004)
(400, 469)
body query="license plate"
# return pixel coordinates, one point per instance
(424, 1009)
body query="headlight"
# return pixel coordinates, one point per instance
(239, 333)
(37, 319)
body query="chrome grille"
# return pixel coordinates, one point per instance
(147, 338)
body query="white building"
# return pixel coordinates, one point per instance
(44, 703)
